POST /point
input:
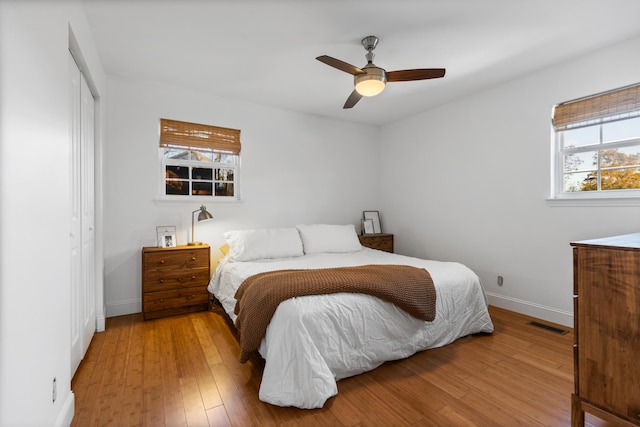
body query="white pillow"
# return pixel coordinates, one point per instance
(329, 238)
(249, 245)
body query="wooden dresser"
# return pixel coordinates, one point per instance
(174, 280)
(607, 330)
(383, 242)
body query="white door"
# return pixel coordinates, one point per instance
(87, 180)
(75, 233)
(82, 241)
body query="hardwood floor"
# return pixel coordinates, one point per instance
(184, 371)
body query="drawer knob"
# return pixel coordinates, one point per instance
(193, 258)
(161, 280)
(193, 277)
(161, 261)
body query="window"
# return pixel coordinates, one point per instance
(198, 161)
(597, 145)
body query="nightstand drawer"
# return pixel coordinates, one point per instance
(163, 280)
(182, 297)
(173, 259)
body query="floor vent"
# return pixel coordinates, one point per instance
(548, 328)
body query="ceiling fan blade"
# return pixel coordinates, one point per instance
(352, 99)
(340, 65)
(417, 74)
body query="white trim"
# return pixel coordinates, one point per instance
(182, 200)
(124, 307)
(65, 416)
(164, 162)
(549, 314)
(99, 112)
(593, 202)
(557, 167)
(101, 321)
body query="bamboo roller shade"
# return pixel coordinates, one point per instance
(613, 103)
(174, 132)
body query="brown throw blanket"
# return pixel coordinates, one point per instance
(258, 297)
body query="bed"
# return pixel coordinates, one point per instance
(313, 341)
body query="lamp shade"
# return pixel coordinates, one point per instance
(203, 215)
(372, 82)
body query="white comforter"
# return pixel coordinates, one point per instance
(313, 341)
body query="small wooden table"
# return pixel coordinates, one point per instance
(381, 241)
(174, 280)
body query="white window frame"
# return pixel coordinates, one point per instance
(207, 139)
(559, 154)
(164, 162)
(622, 197)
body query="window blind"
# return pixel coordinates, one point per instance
(174, 132)
(608, 106)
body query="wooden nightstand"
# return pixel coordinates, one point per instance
(382, 241)
(174, 280)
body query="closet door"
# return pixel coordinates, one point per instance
(82, 221)
(75, 233)
(87, 184)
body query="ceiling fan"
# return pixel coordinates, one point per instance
(370, 80)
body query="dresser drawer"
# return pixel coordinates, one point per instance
(162, 280)
(173, 259)
(181, 297)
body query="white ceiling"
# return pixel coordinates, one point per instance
(264, 51)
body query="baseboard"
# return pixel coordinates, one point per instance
(549, 314)
(100, 324)
(124, 307)
(65, 417)
(101, 319)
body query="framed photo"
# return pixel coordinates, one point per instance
(375, 217)
(367, 226)
(166, 236)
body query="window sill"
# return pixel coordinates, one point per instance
(191, 200)
(593, 201)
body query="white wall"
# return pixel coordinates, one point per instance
(34, 197)
(470, 181)
(296, 168)
(479, 174)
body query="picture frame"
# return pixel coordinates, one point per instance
(166, 236)
(375, 217)
(367, 226)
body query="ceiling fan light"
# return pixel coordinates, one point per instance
(370, 87)
(371, 83)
